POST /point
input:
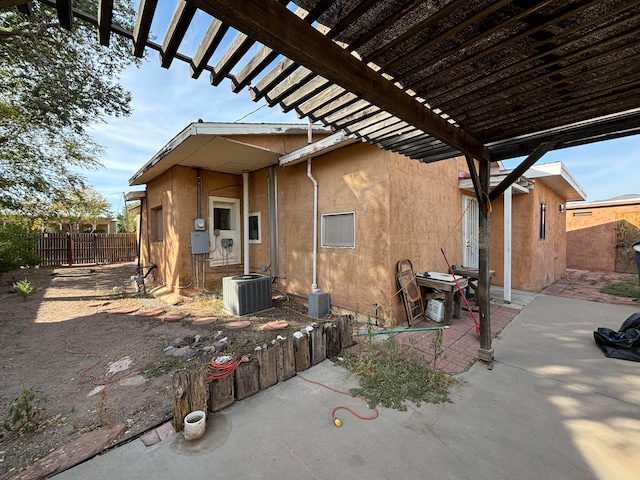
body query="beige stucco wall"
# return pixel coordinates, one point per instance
(403, 209)
(591, 239)
(535, 263)
(175, 192)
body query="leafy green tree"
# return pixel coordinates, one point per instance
(81, 206)
(127, 218)
(55, 83)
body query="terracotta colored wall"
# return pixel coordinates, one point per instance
(535, 263)
(591, 239)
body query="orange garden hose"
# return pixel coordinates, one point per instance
(337, 422)
(217, 370)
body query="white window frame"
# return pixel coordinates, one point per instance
(323, 235)
(259, 215)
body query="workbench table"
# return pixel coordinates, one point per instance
(435, 284)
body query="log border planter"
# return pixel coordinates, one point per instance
(271, 363)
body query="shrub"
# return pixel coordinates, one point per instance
(24, 288)
(16, 248)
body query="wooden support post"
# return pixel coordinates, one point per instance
(485, 352)
(190, 392)
(332, 339)
(286, 359)
(301, 351)
(247, 379)
(345, 327)
(221, 393)
(267, 357)
(318, 345)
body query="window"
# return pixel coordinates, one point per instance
(582, 214)
(543, 221)
(157, 225)
(255, 233)
(222, 218)
(339, 230)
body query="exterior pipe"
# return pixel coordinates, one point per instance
(314, 285)
(245, 215)
(401, 330)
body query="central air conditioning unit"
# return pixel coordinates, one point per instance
(245, 294)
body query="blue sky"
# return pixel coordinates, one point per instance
(166, 100)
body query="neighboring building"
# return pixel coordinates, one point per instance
(373, 208)
(600, 234)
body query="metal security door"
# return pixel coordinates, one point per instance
(627, 232)
(470, 223)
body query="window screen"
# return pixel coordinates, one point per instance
(338, 230)
(254, 227)
(159, 224)
(222, 218)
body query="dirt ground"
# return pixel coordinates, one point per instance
(89, 366)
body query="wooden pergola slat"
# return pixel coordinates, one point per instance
(327, 59)
(210, 42)
(65, 13)
(105, 18)
(177, 29)
(239, 47)
(146, 10)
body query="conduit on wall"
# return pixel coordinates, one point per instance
(245, 219)
(314, 285)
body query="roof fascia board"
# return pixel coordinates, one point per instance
(326, 145)
(224, 129)
(604, 203)
(258, 18)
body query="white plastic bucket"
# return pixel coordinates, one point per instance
(194, 425)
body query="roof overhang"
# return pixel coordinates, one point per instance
(135, 195)
(522, 185)
(210, 146)
(620, 202)
(559, 179)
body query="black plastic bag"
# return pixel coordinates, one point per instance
(623, 344)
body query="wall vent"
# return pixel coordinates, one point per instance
(245, 294)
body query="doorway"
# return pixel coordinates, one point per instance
(470, 221)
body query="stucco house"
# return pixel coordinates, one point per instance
(600, 234)
(327, 213)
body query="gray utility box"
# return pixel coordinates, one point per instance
(199, 243)
(245, 294)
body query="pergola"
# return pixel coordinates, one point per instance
(431, 79)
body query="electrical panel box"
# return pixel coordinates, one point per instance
(227, 242)
(199, 243)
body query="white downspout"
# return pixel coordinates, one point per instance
(508, 212)
(314, 285)
(245, 219)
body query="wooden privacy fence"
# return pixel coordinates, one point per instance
(86, 248)
(270, 363)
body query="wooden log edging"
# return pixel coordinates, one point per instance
(271, 363)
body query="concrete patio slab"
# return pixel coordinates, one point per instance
(553, 407)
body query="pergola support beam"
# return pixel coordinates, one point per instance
(256, 18)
